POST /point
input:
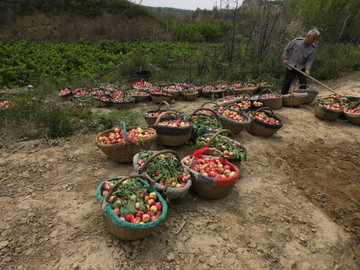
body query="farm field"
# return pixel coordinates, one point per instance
(296, 205)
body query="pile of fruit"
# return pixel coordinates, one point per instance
(262, 116)
(157, 113)
(226, 99)
(174, 123)
(4, 104)
(208, 89)
(244, 105)
(138, 93)
(226, 146)
(117, 135)
(132, 201)
(165, 169)
(332, 104)
(100, 92)
(109, 86)
(189, 91)
(222, 86)
(185, 84)
(102, 98)
(269, 96)
(257, 104)
(234, 115)
(117, 94)
(65, 91)
(122, 99)
(265, 84)
(354, 110)
(172, 88)
(210, 166)
(238, 85)
(143, 85)
(80, 92)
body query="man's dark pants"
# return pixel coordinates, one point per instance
(289, 77)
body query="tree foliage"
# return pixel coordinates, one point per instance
(88, 8)
(338, 20)
(208, 31)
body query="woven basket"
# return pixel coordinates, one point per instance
(311, 93)
(249, 90)
(353, 118)
(169, 192)
(324, 113)
(150, 120)
(272, 103)
(175, 93)
(101, 103)
(124, 152)
(219, 133)
(234, 96)
(235, 126)
(158, 98)
(209, 187)
(294, 99)
(123, 105)
(172, 136)
(189, 96)
(122, 229)
(196, 132)
(140, 98)
(205, 93)
(260, 128)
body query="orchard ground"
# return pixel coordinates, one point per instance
(296, 205)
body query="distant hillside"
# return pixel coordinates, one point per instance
(162, 13)
(70, 20)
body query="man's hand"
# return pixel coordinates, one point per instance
(307, 72)
(286, 62)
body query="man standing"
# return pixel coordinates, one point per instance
(299, 53)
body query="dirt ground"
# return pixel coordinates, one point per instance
(297, 205)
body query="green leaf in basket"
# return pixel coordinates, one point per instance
(143, 207)
(131, 208)
(124, 211)
(243, 156)
(115, 205)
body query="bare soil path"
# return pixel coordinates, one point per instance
(297, 205)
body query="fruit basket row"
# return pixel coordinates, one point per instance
(332, 107)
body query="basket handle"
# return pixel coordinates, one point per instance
(232, 91)
(263, 109)
(216, 134)
(266, 90)
(209, 102)
(164, 103)
(246, 96)
(229, 106)
(166, 113)
(144, 177)
(204, 109)
(154, 155)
